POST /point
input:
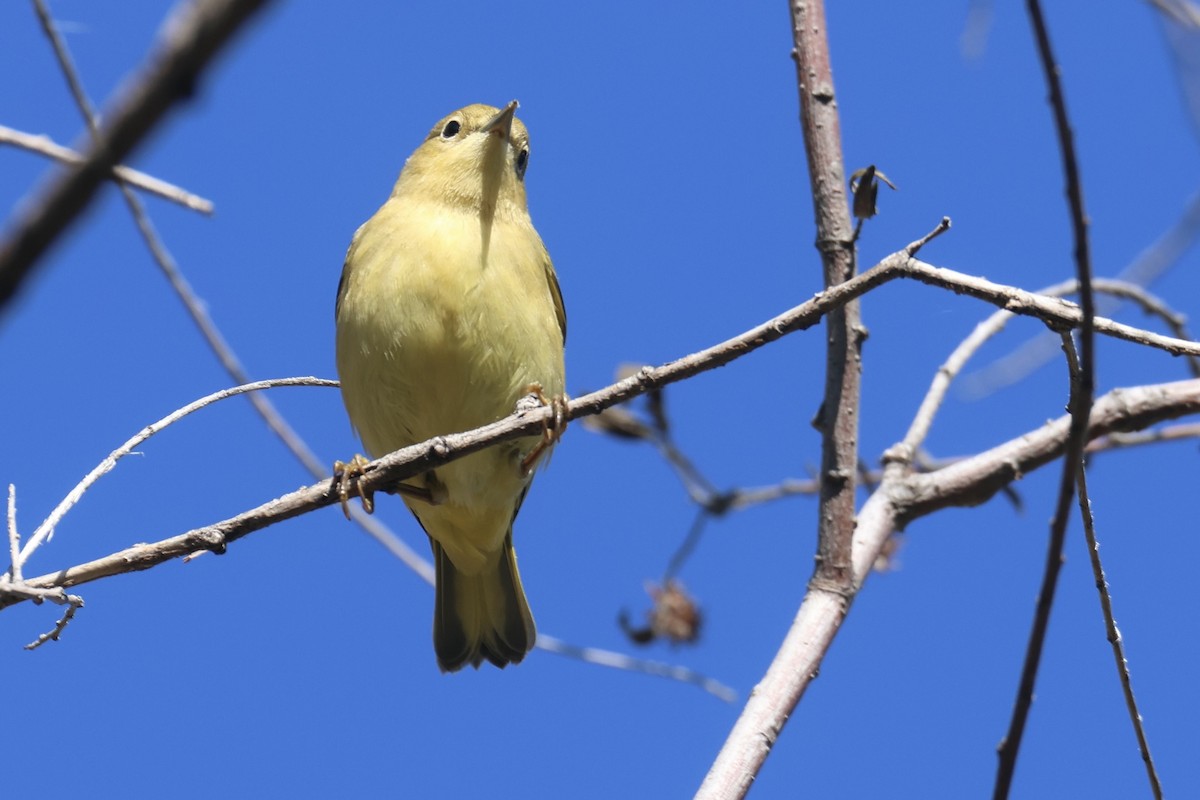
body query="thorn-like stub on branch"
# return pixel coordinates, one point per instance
(823, 93)
(818, 420)
(214, 541)
(838, 477)
(899, 453)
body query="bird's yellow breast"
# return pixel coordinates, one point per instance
(443, 323)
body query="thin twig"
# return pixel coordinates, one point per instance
(1152, 305)
(698, 487)
(67, 67)
(1081, 395)
(684, 551)
(14, 537)
(1149, 265)
(1054, 312)
(58, 626)
(922, 421)
(191, 37)
(46, 529)
(609, 658)
(46, 146)
(1110, 625)
(788, 487)
(1169, 433)
(18, 591)
(919, 428)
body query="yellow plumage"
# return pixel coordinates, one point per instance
(448, 311)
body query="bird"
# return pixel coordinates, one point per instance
(448, 314)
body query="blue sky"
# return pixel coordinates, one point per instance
(667, 179)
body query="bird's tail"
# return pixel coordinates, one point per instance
(481, 616)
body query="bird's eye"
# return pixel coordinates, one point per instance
(451, 129)
(522, 160)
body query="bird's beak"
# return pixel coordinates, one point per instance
(501, 124)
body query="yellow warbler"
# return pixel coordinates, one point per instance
(448, 313)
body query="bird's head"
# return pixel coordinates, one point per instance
(474, 158)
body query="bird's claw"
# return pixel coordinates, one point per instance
(347, 474)
(553, 429)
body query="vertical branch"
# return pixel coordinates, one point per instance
(833, 584)
(1082, 391)
(14, 538)
(838, 418)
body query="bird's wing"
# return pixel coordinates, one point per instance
(552, 279)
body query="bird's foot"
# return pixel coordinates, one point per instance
(346, 475)
(554, 428)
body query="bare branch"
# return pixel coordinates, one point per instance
(73, 602)
(967, 482)
(45, 146)
(1152, 263)
(1114, 635)
(837, 419)
(897, 500)
(46, 530)
(1082, 391)
(901, 498)
(918, 430)
(610, 658)
(1169, 433)
(975, 479)
(1153, 306)
(14, 537)
(383, 474)
(191, 37)
(922, 422)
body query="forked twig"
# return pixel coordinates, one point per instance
(46, 530)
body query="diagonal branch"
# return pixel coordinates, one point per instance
(897, 501)
(189, 40)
